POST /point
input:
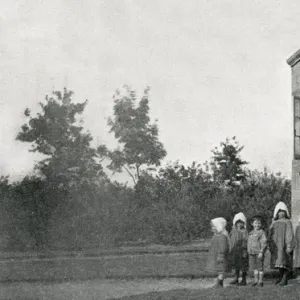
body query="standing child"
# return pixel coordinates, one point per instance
(297, 248)
(218, 253)
(281, 243)
(257, 244)
(238, 248)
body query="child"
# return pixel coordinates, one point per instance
(218, 253)
(238, 248)
(281, 243)
(257, 243)
(297, 247)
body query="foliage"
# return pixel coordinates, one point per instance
(260, 193)
(139, 145)
(71, 204)
(67, 175)
(86, 224)
(174, 204)
(56, 133)
(178, 204)
(227, 164)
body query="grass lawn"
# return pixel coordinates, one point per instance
(148, 289)
(153, 261)
(268, 292)
(183, 265)
(93, 289)
(150, 265)
(124, 273)
(196, 246)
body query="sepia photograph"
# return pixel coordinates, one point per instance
(149, 150)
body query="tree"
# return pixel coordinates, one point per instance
(260, 193)
(175, 205)
(227, 164)
(31, 210)
(136, 135)
(57, 134)
(69, 171)
(4, 185)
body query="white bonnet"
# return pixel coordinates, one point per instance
(239, 217)
(281, 206)
(219, 224)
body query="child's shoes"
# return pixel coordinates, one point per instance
(234, 281)
(243, 282)
(261, 284)
(218, 284)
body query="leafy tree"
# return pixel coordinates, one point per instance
(31, 209)
(4, 185)
(136, 135)
(58, 135)
(176, 204)
(260, 193)
(69, 171)
(227, 164)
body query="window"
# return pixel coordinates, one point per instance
(296, 127)
(297, 107)
(297, 147)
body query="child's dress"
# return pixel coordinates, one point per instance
(218, 252)
(281, 240)
(238, 244)
(238, 249)
(297, 247)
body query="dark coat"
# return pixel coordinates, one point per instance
(238, 249)
(281, 242)
(297, 247)
(218, 253)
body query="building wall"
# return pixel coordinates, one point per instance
(295, 163)
(295, 191)
(296, 79)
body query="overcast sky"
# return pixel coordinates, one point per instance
(216, 69)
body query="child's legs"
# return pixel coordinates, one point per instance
(220, 279)
(237, 275)
(281, 272)
(253, 263)
(256, 275)
(245, 265)
(221, 276)
(284, 279)
(260, 276)
(260, 265)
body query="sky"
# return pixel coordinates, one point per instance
(216, 69)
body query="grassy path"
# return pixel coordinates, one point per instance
(146, 289)
(157, 266)
(96, 289)
(268, 292)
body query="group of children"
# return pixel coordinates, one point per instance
(243, 250)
